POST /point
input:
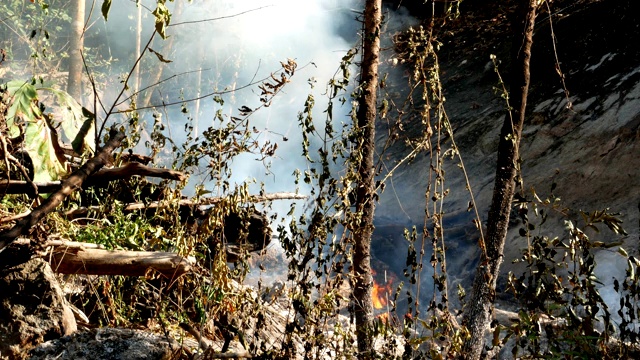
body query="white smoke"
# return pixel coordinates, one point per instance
(246, 42)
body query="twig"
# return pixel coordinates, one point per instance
(218, 18)
(14, 217)
(205, 344)
(192, 99)
(64, 243)
(238, 355)
(96, 99)
(134, 169)
(24, 172)
(158, 83)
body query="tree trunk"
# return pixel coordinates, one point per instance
(477, 316)
(76, 44)
(136, 76)
(365, 206)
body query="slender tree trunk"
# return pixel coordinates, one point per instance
(477, 316)
(365, 205)
(74, 81)
(196, 112)
(136, 77)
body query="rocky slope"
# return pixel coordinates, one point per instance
(589, 149)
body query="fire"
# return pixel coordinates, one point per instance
(384, 317)
(379, 295)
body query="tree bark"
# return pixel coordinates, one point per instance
(365, 203)
(477, 316)
(69, 185)
(76, 44)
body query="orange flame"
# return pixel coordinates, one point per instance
(380, 293)
(384, 317)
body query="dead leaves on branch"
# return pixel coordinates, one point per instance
(271, 87)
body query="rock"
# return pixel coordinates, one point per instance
(32, 309)
(109, 343)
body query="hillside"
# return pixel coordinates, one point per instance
(589, 149)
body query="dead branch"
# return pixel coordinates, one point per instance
(238, 355)
(68, 186)
(79, 259)
(132, 169)
(7, 219)
(203, 342)
(24, 187)
(59, 242)
(192, 203)
(98, 179)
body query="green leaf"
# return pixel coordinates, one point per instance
(106, 6)
(163, 18)
(76, 122)
(23, 103)
(39, 144)
(40, 138)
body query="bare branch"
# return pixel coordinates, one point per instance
(219, 18)
(133, 169)
(124, 87)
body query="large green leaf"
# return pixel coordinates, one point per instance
(41, 143)
(76, 122)
(40, 140)
(23, 105)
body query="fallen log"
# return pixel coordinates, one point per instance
(79, 259)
